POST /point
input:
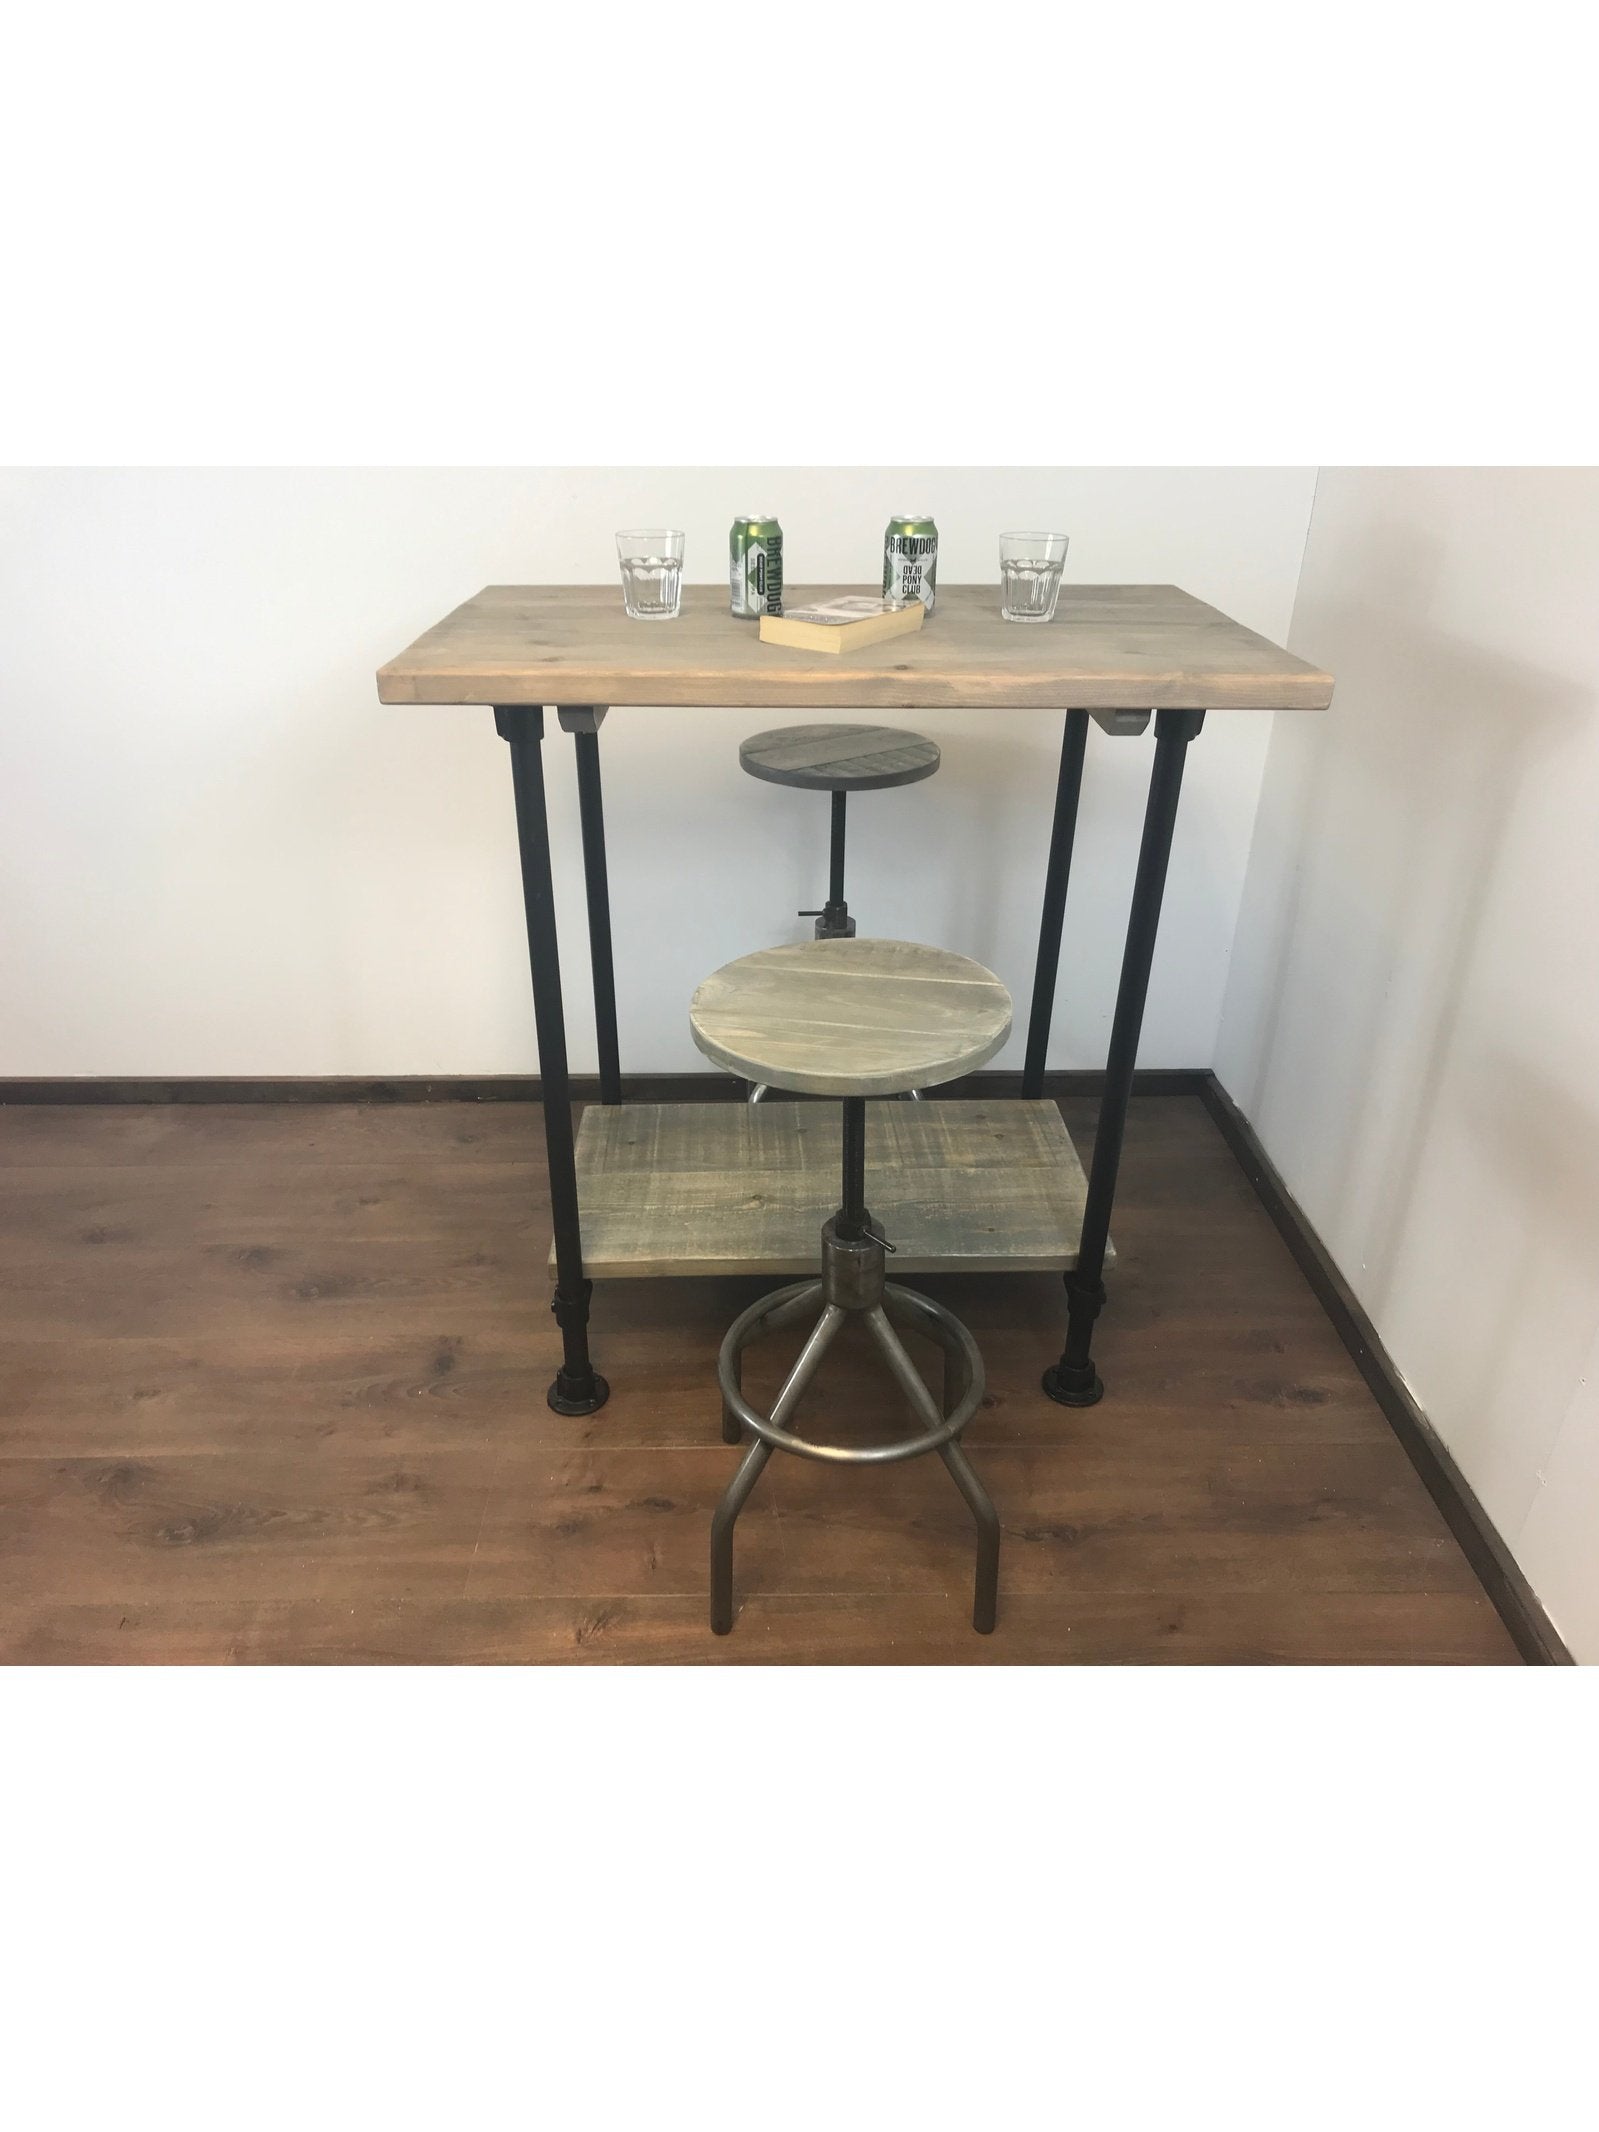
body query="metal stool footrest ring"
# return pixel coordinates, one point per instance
(852, 1284)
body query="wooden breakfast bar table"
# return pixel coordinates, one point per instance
(1117, 653)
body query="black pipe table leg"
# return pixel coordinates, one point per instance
(583, 723)
(1068, 789)
(578, 1386)
(1073, 1380)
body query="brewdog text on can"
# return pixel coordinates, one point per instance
(910, 559)
(755, 567)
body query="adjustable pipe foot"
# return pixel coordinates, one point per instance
(573, 1393)
(1073, 1381)
(578, 1388)
(1074, 1387)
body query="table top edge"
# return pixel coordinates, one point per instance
(431, 671)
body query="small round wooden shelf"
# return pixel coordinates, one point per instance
(851, 1017)
(839, 758)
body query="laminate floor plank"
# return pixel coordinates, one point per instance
(273, 1392)
(1146, 1628)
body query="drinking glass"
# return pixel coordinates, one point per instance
(1029, 567)
(652, 573)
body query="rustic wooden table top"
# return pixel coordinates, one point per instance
(1110, 647)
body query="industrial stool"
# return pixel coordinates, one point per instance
(852, 1018)
(839, 759)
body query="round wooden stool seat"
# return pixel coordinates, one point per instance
(851, 1017)
(839, 758)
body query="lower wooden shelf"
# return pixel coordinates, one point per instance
(715, 1188)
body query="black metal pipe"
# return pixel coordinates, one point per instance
(578, 1387)
(852, 1212)
(835, 854)
(1068, 790)
(596, 884)
(1073, 1380)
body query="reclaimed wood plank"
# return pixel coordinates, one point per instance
(851, 1017)
(1110, 647)
(699, 1188)
(839, 758)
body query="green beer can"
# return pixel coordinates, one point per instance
(910, 559)
(755, 567)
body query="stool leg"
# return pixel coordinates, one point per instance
(986, 1597)
(955, 1381)
(911, 1381)
(732, 1427)
(913, 1385)
(722, 1522)
(754, 1464)
(803, 1298)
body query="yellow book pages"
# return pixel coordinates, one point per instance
(841, 625)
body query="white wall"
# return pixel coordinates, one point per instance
(221, 856)
(1412, 1023)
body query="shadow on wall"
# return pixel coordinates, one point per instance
(1543, 1267)
(1405, 800)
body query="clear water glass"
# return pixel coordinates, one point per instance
(1030, 565)
(652, 573)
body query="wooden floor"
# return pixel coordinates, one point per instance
(273, 1390)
